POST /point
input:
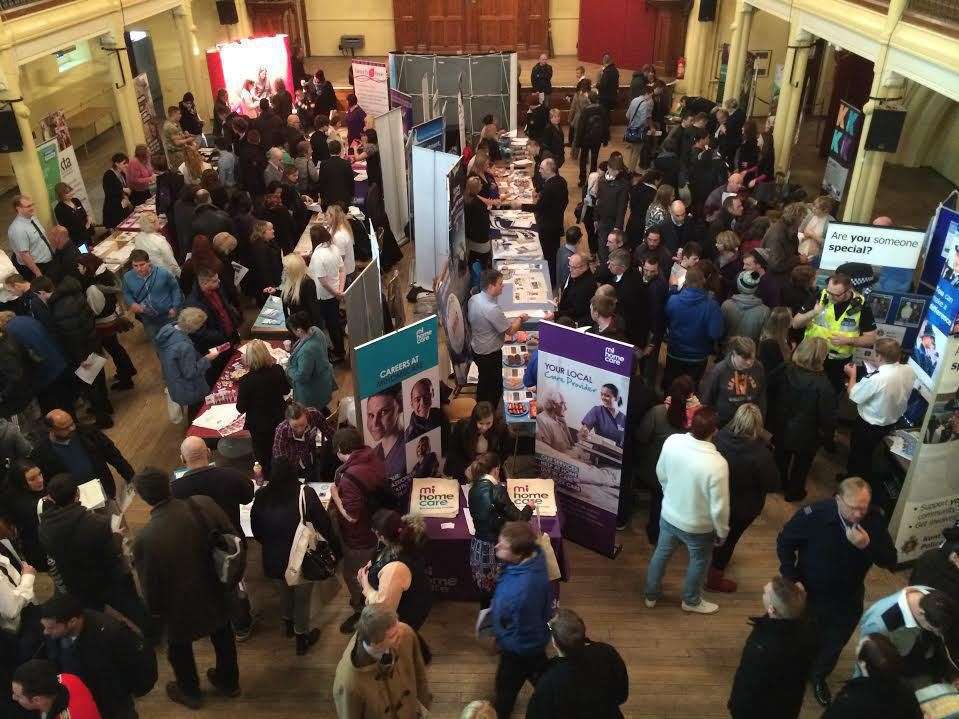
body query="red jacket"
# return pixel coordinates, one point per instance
(366, 474)
(80, 704)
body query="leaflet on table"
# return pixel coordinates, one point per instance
(540, 493)
(217, 417)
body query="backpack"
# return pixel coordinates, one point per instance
(381, 498)
(594, 131)
(141, 672)
(227, 550)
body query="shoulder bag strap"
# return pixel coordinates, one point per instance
(198, 516)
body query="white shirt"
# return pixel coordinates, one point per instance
(695, 480)
(881, 398)
(325, 262)
(161, 254)
(16, 592)
(343, 241)
(6, 269)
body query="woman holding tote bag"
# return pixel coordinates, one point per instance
(275, 518)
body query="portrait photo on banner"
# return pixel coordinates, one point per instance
(253, 66)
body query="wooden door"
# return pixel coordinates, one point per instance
(492, 26)
(445, 25)
(273, 17)
(408, 26)
(534, 27)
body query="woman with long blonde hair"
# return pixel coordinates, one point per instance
(298, 290)
(342, 233)
(193, 165)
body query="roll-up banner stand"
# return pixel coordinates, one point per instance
(582, 384)
(429, 134)
(431, 212)
(372, 89)
(404, 103)
(392, 146)
(54, 126)
(942, 239)
(398, 395)
(364, 318)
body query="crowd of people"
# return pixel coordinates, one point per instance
(683, 249)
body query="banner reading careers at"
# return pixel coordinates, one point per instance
(398, 388)
(54, 126)
(582, 386)
(882, 246)
(372, 90)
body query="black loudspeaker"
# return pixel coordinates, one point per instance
(10, 140)
(885, 130)
(707, 10)
(226, 9)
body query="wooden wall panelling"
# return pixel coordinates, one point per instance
(407, 25)
(445, 25)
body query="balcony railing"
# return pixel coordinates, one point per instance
(941, 15)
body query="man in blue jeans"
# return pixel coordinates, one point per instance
(695, 480)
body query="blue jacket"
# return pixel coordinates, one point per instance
(695, 324)
(34, 337)
(310, 371)
(521, 607)
(159, 292)
(183, 367)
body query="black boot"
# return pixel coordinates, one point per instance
(305, 641)
(349, 626)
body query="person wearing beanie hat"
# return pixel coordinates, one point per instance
(757, 260)
(85, 554)
(744, 312)
(172, 558)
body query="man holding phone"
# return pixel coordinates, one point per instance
(828, 547)
(844, 319)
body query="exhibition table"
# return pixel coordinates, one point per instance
(270, 322)
(224, 394)
(448, 554)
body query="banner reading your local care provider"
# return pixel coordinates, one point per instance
(398, 389)
(883, 246)
(582, 385)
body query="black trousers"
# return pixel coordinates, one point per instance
(862, 443)
(655, 510)
(550, 247)
(737, 527)
(650, 365)
(793, 469)
(588, 154)
(513, 671)
(121, 360)
(180, 656)
(263, 450)
(836, 623)
(590, 224)
(676, 367)
(835, 372)
(489, 386)
(330, 309)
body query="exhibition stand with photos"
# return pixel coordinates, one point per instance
(582, 386)
(260, 60)
(397, 392)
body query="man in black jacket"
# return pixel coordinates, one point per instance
(612, 194)
(536, 117)
(550, 210)
(541, 79)
(83, 453)
(771, 678)
(628, 285)
(592, 131)
(578, 291)
(229, 488)
(651, 325)
(336, 178)
(584, 679)
(652, 247)
(678, 229)
(63, 261)
(208, 219)
(84, 554)
(608, 84)
(100, 649)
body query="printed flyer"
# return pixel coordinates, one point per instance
(582, 387)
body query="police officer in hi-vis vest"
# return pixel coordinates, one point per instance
(844, 319)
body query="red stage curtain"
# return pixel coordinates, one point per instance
(623, 28)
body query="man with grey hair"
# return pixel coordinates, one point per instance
(551, 425)
(550, 211)
(585, 678)
(382, 666)
(273, 172)
(771, 678)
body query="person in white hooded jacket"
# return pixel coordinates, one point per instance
(695, 480)
(16, 580)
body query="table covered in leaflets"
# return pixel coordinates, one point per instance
(115, 248)
(218, 417)
(270, 322)
(447, 553)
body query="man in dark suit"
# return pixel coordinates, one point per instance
(628, 285)
(550, 209)
(650, 325)
(608, 84)
(336, 178)
(208, 219)
(592, 131)
(642, 191)
(537, 153)
(577, 292)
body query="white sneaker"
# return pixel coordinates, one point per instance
(650, 603)
(703, 607)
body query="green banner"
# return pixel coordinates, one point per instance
(50, 166)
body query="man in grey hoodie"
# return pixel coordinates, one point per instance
(744, 312)
(737, 379)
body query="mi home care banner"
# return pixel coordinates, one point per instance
(398, 391)
(582, 386)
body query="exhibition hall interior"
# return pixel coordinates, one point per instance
(477, 359)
